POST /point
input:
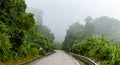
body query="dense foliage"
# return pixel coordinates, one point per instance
(20, 36)
(95, 39)
(57, 46)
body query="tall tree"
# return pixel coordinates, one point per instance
(74, 32)
(89, 27)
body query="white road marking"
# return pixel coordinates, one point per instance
(76, 61)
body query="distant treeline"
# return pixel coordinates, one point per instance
(97, 39)
(20, 36)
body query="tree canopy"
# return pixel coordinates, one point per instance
(20, 35)
(96, 39)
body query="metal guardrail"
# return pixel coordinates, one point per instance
(88, 60)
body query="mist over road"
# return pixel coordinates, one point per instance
(58, 58)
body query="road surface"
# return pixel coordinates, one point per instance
(58, 58)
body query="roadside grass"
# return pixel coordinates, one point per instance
(21, 61)
(24, 61)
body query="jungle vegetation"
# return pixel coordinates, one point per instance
(97, 39)
(20, 35)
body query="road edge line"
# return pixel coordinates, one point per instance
(76, 61)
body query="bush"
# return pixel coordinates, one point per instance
(98, 48)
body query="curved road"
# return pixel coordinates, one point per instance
(58, 58)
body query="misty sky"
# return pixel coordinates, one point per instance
(60, 14)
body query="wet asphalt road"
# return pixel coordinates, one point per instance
(58, 58)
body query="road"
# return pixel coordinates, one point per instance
(58, 58)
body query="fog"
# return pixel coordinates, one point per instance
(60, 14)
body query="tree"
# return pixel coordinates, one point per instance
(106, 25)
(89, 28)
(75, 32)
(19, 34)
